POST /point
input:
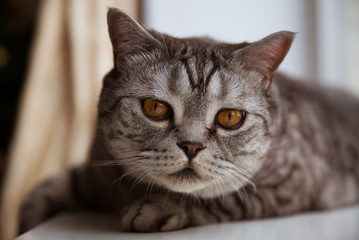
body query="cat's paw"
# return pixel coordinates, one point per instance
(34, 210)
(154, 215)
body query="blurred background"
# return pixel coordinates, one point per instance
(326, 47)
(54, 53)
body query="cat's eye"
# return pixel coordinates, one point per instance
(155, 109)
(230, 118)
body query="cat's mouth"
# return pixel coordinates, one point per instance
(186, 180)
(186, 173)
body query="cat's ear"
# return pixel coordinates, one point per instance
(265, 55)
(127, 35)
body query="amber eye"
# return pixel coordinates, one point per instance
(230, 118)
(155, 109)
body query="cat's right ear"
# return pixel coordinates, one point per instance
(127, 35)
(265, 55)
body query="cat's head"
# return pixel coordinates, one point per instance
(191, 115)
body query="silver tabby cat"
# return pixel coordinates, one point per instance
(194, 131)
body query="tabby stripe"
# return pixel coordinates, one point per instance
(245, 134)
(224, 210)
(212, 71)
(262, 202)
(199, 68)
(189, 73)
(240, 204)
(244, 153)
(210, 211)
(123, 122)
(285, 178)
(221, 147)
(283, 200)
(266, 128)
(110, 111)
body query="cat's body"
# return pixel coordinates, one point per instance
(294, 147)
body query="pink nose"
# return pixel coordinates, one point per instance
(190, 149)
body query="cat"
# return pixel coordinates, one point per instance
(193, 131)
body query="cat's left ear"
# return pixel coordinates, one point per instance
(265, 55)
(127, 35)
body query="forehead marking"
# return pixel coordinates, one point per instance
(189, 71)
(200, 70)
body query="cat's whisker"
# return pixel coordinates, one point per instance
(128, 172)
(239, 187)
(139, 179)
(243, 192)
(220, 190)
(193, 197)
(242, 196)
(167, 193)
(152, 184)
(117, 162)
(118, 158)
(228, 179)
(128, 157)
(245, 176)
(236, 187)
(241, 174)
(217, 187)
(213, 189)
(164, 43)
(197, 198)
(251, 182)
(247, 180)
(128, 151)
(119, 179)
(132, 162)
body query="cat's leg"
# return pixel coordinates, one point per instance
(161, 213)
(48, 198)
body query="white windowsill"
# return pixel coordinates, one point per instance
(337, 224)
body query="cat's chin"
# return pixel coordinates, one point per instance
(183, 182)
(200, 188)
(197, 188)
(190, 182)
(214, 190)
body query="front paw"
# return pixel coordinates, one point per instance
(45, 200)
(154, 215)
(34, 210)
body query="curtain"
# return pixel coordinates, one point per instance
(71, 52)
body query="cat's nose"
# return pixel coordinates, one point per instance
(190, 149)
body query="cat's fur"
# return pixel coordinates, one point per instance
(296, 151)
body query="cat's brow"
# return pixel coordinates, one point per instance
(189, 72)
(200, 69)
(212, 70)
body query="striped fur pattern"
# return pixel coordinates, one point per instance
(296, 151)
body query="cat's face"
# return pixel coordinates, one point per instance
(187, 115)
